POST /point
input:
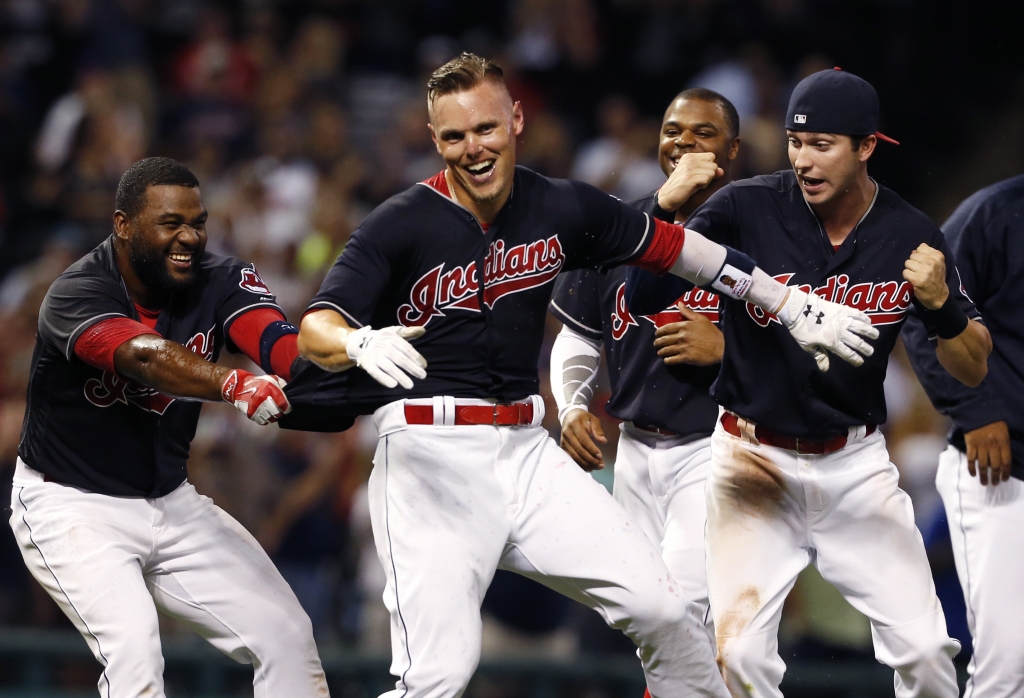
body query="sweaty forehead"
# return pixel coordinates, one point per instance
(163, 199)
(685, 112)
(463, 111)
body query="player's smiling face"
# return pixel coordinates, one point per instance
(826, 164)
(167, 238)
(695, 126)
(475, 132)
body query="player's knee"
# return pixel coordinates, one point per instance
(658, 613)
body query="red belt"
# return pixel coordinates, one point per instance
(516, 414)
(807, 447)
(654, 430)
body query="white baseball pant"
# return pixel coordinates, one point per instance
(986, 525)
(659, 481)
(451, 504)
(771, 512)
(111, 562)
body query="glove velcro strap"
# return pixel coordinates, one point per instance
(735, 277)
(949, 320)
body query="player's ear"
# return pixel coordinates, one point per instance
(517, 118)
(867, 148)
(122, 225)
(734, 148)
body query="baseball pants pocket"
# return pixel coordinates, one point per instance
(986, 526)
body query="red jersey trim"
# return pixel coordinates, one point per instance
(96, 345)
(662, 253)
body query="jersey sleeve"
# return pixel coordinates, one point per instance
(576, 302)
(609, 231)
(716, 218)
(75, 302)
(648, 293)
(358, 278)
(243, 290)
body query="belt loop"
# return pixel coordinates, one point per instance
(449, 410)
(538, 410)
(438, 410)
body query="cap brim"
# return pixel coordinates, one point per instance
(882, 137)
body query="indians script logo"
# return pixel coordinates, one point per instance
(519, 268)
(696, 299)
(885, 302)
(252, 282)
(110, 389)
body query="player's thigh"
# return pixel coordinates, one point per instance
(685, 507)
(571, 535)
(632, 485)
(755, 546)
(85, 550)
(867, 543)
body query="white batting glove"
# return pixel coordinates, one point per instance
(387, 355)
(818, 325)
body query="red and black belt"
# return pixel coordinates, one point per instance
(805, 447)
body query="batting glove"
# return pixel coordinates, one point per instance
(387, 355)
(818, 325)
(260, 398)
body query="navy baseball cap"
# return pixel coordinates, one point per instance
(834, 101)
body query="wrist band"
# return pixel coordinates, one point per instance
(949, 320)
(734, 278)
(661, 214)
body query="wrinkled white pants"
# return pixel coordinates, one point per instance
(986, 525)
(111, 562)
(771, 512)
(451, 504)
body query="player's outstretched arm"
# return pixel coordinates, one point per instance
(817, 325)
(326, 339)
(175, 370)
(963, 344)
(574, 363)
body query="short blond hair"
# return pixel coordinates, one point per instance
(463, 73)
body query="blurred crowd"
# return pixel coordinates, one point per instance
(300, 117)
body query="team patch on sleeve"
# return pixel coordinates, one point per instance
(252, 282)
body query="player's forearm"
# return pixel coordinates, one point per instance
(170, 368)
(965, 356)
(322, 340)
(574, 363)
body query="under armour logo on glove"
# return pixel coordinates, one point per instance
(817, 316)
(260, 398)
(820, 326)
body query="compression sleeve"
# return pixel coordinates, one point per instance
(268, 339)
(97, 344)
(574, 363)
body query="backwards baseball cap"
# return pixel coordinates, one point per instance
(834, 101)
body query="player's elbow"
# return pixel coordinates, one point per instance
(315, 344)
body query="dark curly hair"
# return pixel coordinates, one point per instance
(131, 190)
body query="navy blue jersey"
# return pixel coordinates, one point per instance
(765, 376)
(94, 430)
(420, 259)
(644, 389)
(986, 233)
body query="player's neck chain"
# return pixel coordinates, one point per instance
(451, 188)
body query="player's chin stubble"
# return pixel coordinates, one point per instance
(150, 266)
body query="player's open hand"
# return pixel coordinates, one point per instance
(695, 341)
(819, 326)
(988, 449)
(693, 172)
(926, 272)
(580, 432)
(260, 398)
(387, 355)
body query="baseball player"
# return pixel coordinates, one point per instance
(661, 365)
(799, 472)
(979, 475)
(466, 480)
(101, 508)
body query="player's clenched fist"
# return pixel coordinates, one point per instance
(818, 325)
(693, 172)
(580, 431)
(260, 398)
(926, 272)
(387, 355)
(695, 341)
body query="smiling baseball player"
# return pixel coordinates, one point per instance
(465, 478)
(661, 365)
(799, 470)
(103, 513)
